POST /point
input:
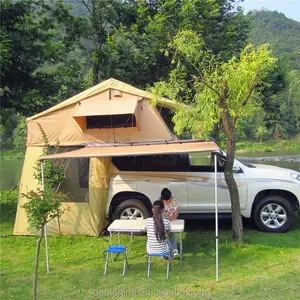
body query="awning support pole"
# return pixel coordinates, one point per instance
(45, 227)
(216, 220)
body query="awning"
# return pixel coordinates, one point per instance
(165, 147)
(106, 107)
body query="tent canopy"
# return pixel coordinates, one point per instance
(107, 150)
(105, 85)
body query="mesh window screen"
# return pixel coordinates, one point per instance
(76, 182)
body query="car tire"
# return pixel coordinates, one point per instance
(131, 209)
(273, 214)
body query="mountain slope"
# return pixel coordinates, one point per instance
(282, 33)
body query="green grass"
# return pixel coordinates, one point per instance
(267, 266)
(11, 154)
(292, 144)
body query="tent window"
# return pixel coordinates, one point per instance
(111, 121)
(171, 162)
(76, 181)
(83, 172)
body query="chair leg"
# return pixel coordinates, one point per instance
(106, 263)
(148, 265)
(126, 256)
(168, 268)
(125, 262)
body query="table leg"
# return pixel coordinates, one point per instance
(110, 237)
(131, 237)
(119, 237)
(181, 254)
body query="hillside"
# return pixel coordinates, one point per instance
(282, 33)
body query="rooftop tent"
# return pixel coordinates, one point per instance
(121, 112)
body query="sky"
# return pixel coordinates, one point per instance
(291, 8)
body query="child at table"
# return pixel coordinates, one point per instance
(156, 227)
(170, 213)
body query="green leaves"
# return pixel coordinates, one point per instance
(231, 87)
(42, 207)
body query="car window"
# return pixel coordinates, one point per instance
(204, 162)
(166, 162)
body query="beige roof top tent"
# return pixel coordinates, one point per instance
(143, 148)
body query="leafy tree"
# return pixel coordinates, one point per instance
(261, 133)
(138, 52)
(104, 16)
(220, 92)
(37, 39)
(19, 135)
(41, 208)
(44, 205)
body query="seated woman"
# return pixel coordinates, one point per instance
(156, 227)
(170, 213)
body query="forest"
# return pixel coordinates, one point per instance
(53, 49)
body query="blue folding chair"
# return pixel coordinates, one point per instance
(117, 250)
(157, 255)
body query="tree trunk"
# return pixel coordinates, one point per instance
(37, 255)
(237, 225)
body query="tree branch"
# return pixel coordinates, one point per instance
(209, 86)
(250, 91)
(86, 5)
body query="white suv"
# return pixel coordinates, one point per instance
(268, 195)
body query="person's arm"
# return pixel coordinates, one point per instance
(167, 225)
(175, 216)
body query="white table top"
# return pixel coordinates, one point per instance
(139, 226)
(177, 225)
(127, 225)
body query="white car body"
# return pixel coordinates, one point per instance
(194, 190)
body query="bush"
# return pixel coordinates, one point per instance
(19, 135)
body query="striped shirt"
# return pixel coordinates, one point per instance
(153, 245)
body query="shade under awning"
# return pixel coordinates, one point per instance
(136, 149)
(106, 107)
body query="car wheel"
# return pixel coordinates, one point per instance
(273, 214)
(131, 210)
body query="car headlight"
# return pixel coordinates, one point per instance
(296, 176)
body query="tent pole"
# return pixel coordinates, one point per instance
(216, 220)
(45, 227)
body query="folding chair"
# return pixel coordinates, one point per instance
(157, 255)
(117, 250)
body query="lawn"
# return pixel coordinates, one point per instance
(267, 266)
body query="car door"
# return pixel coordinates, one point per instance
(164, 171)
(201, 184)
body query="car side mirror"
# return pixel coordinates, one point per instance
(237, 170)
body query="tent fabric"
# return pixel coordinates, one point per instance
(87, 218)
(107, 107)
(83, 218)
(124, 150)
(105, 85)
(27, 183)
(61, 127)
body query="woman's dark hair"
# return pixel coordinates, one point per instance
(158, 220)
(165, 194)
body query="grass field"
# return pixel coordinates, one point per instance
(267, 266)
